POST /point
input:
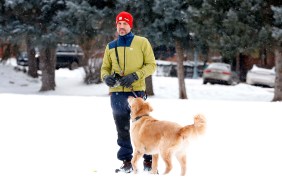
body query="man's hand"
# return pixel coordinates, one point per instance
(127, 80)
(110, 80)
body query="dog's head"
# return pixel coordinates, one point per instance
(138, 106)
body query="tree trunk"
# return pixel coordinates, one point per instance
(93, 70)
(90, 62)
(278, 79)
(32, 64)
(149, 86)
(87, 66)
(47, 66)
(180, 69)
(237, 68)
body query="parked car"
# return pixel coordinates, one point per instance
(22, 59)
(67, 56)
(261, 76)
(220, 73)
(169, 69)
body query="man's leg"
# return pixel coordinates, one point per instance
(121, 114)
(124, 142)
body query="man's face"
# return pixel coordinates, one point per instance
(123, 28)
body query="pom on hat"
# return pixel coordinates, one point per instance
(125, 16)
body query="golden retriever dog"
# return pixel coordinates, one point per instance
(153, 137)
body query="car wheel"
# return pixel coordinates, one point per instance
(205, 82)
(73, 65)
(235, 82)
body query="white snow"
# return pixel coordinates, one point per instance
(67, 137)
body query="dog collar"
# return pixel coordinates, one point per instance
(139, 117)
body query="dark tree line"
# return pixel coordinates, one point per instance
(232, 28)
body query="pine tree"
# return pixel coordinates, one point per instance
(170, 27)
(21, 30)
(6, 32)
(236, 27)
(34, 20)
(169, 23)
(86, 23)
(277, 34)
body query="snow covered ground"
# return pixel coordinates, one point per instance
(67, 137)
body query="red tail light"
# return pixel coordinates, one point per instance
(227, 73)
(207, 71)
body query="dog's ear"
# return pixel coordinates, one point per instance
(129, 99)
(135, 108)
(134, 104)
(148, 106)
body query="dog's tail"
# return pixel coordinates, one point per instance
(195, 129)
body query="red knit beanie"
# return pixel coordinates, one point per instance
(125, 16)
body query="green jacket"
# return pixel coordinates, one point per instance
(135, 55)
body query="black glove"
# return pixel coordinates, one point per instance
(127, 80)
(110, 80)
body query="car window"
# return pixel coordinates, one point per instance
(69, 48)
(263, 70)
(219, 66)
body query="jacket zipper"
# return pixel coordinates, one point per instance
(124, 57)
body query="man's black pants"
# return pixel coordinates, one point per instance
(121, 114)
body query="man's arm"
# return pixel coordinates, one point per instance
(150, 65)
(106, 65)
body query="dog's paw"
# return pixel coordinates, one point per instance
(154, 172)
